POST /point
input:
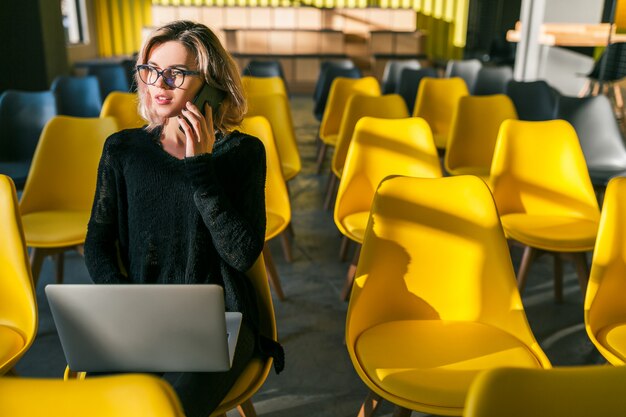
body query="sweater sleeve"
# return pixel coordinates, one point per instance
(102, 242)
(236, 220)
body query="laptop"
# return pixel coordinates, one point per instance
(144, 328)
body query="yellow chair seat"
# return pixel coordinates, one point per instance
(53, 229)
(289, 171)
(275, 225)
(554, 233)
(11, 342)
(433, 362)
(613, 338)
(481, 172)
(330, 140)
(253, 372)
(355, 225)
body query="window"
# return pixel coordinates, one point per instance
(74, 21)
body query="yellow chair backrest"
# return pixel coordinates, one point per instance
(263, 85)
(18, 307)
(437, 99)
(123, 107)
(254, 375)
(474, 131)
(275, 108)
(340, 91)
(416, 227)
(604, 301)
(383, 147)
(65, 165)
(276, 195)
(390, 106)
(559, 392)
(539, 168)
(108, 396)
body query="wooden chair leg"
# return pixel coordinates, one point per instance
(58, 261)
(586, 89)
(347, 287)
(582, 270)
(321, 154)
(343, 250)
(401, 412)
(527, 258)
(272, 273)
(332, 192)
(80, 249)
(558, 279)
(370, 404)
(246, 409)
(37, 255)
(286, 244)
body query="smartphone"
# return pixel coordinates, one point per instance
(211, 95)
(208, 94)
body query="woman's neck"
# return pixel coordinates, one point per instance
(172, 139)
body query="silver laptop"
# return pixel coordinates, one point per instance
(144, 328)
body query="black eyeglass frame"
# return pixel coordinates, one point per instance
(161, 73)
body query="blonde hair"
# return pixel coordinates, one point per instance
(215, 64)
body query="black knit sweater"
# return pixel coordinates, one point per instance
(160, 219)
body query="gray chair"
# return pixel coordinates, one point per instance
(77, 96)
(534, 100)
(466, 69)
(111, 76)
(392, 72)
(324, 66)
(409, 82)
(492, 80)
(23, 116)
(599, 134)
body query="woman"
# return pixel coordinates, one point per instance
(181, 200)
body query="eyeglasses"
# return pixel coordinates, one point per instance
(173, 77)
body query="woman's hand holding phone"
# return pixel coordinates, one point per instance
(198, 129)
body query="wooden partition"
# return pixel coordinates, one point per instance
(302, 37)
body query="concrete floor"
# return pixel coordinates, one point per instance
(318, 378)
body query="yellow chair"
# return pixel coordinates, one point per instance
(18, 305)
(605, 310)
(58, 195)
(275, 108)
(420, 326)
(474, 131)
(580, 391)
(380, 147)
(437, 100)
(256, 372)
(340, 91)
(107, 396)
(390, 106)
(123, 108)
(263, 85)
(277, 204)
(542, 189)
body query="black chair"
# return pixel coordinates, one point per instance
(23, 116)
(325, 80)
(324, 65)
(613, 59)
(409, 82)
(466, 69)
(257, 68)
(492, 80)
(392, 71)
(599, 134)
(77, 96)
(111, 76)
(534, 100)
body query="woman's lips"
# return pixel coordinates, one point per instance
(161, 99)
